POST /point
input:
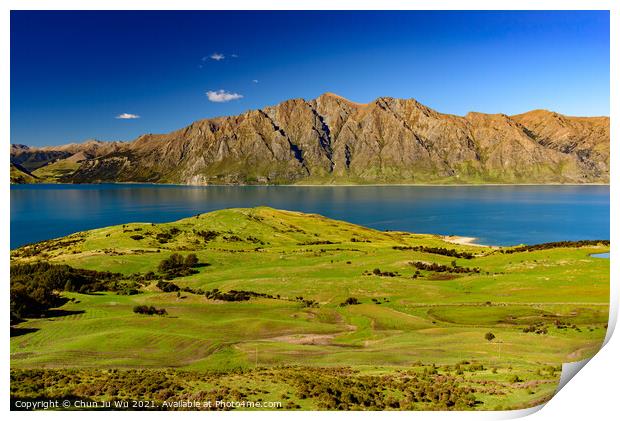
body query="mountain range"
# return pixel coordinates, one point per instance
(331, 140)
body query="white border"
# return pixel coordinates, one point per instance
(591, 395)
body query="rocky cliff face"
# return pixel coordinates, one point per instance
(333, 140)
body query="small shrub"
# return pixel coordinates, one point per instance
(350, 301)
(149, 310)
(515, 379)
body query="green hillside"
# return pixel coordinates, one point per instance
(53, 172)
(319, 299)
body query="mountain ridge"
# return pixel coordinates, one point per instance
(332, 140)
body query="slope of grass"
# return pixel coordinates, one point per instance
(53, 172)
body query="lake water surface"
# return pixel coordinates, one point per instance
(498, 215)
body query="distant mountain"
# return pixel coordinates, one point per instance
(333, 140)
(57, 163)
(32, 158)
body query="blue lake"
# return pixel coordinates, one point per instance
(498, 215)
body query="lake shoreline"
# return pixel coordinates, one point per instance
(139, 183)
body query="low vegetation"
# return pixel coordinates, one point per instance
(149, 310)
(167, 286)
(438, 250)
(464, 386)
(234, 295)
(351, 301)
(437, 267)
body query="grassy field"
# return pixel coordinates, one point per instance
(544, 307)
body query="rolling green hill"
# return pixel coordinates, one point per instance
(54, 171)
(334, 311)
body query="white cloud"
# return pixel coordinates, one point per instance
(255, 80)
(217, 56)
(127, 116)
(222, 96)
(234, 56)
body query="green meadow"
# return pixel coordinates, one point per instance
(411, 338)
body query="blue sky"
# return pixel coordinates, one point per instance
(73, 74)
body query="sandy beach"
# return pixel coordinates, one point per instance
(464, 241)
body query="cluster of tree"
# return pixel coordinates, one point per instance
(379, 272)
(560, 324)
(176, 265)
(350, 302)
(537, 328)
(436, 267)
(360, 240)
(316, 243)
(167, 286)
(557, 244)
(36, 287)
(127, 286)
(234, 295)
(207, 235)
(438, 250)
(377, 301)
(127, 291)
(255, 240)
(239, 295)
(164, 237)
(149, 310)
(563, 325)
(307, 302)
(144, 278)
